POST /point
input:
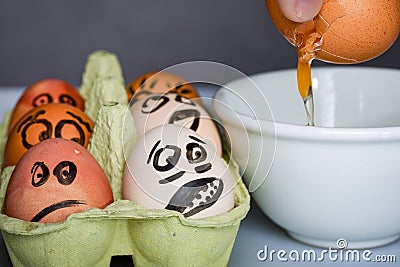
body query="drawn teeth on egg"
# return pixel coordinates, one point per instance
(196, 195)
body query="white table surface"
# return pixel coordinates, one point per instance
(255, 233)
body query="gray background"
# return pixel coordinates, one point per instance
(41, 39)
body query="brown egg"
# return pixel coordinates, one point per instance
(45, 92)
(344, 31)
(44, 122)
(160, 82)
(54, 179)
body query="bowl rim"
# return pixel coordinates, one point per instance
(303, 132)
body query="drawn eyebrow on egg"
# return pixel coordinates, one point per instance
(141, 84)
(196, 139)
(30, 119)
(60, 205)
(84, 123)
(152, 151)
(153, 84)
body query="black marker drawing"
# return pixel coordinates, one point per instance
(65, 172)
(195, 153)
(203, 168)
(181, 89)
(172, 178)
(170, 161)
(58, 131)
(153, 149)
(47, 133)
(184, 100)
(42, 99)
(40, 174)
(196, 195)
(32, 120)
(60, 205)
(66, 99)
(180, 115)
(84, 123)
(196, 139)
(153, 83)
(154, 103)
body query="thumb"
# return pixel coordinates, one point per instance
(300, 10)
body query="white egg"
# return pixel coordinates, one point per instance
(172, 167)
(171, 108)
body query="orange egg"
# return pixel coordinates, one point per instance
(160, 82)
(44, 122)
(45, 92)
(54, 179)
(344, 31)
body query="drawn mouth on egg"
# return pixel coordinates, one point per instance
(54, 207)
(196, 195)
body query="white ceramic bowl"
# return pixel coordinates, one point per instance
(338, 180)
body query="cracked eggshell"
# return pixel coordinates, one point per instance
(171, 108)
(44, 122)
(54, 179)
(351, 31)
(172, 167)
(45, 92)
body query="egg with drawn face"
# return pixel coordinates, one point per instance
(44, 122)
(45, 92)
(159, 83)
(172, 108)
(54, 179)
(172, 167)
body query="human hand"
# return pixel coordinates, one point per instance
(300, 10)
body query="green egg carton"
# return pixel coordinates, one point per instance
(91, 238)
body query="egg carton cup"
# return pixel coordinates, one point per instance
(153, 237)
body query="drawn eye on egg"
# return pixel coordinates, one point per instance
(67, 99)
(42, 99)
(154, 103)
(166, 158)
(65, 172)
(45, 98)
(31, 121)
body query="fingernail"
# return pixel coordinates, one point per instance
(299, 10)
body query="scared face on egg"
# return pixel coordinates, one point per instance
(172, 167)
(45, 122)
(172, 108)
(54, 179)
